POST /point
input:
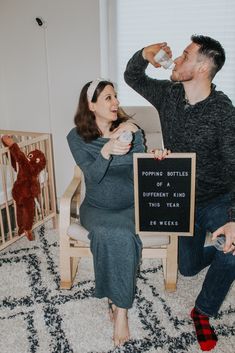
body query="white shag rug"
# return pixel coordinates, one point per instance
(37, 317)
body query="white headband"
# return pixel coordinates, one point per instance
(92, 88)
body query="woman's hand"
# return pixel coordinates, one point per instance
(127, 126)
(229, 231)
(115, 147)
(160, 154)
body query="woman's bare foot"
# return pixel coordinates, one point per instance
(112, 308)
(121, 332)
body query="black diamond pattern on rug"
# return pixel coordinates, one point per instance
(37, 317)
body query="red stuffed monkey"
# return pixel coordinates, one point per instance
(26, 187)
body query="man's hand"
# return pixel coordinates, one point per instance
(229, 231)
(150, 51)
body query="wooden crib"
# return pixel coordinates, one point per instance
(46, 207)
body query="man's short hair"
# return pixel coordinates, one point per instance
(212, 49)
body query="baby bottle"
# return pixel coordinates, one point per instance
(164, 60)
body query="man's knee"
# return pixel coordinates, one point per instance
(187, 270)
(226, 261)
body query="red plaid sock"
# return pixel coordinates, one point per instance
(205, 333)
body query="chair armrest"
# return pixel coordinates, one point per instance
(72, 190)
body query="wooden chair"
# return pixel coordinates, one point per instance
(74, 243)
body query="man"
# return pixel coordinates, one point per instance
(195, 117)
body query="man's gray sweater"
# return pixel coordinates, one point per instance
(207, 128)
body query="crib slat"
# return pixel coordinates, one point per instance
(2, 232)
(5, 169)
(51, 180)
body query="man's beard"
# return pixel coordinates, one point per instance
(183, 78)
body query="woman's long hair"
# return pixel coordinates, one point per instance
(85, 119)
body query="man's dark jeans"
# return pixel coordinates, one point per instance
(193, 256)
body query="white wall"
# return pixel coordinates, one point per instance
(42, 69)
(3, 121)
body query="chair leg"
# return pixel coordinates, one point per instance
(65, 272)
(164, 262)
(68, 270)
(171, 265)
(74, 266)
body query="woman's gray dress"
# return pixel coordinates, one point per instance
(107, 212)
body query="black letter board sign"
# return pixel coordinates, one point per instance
(164, 193)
